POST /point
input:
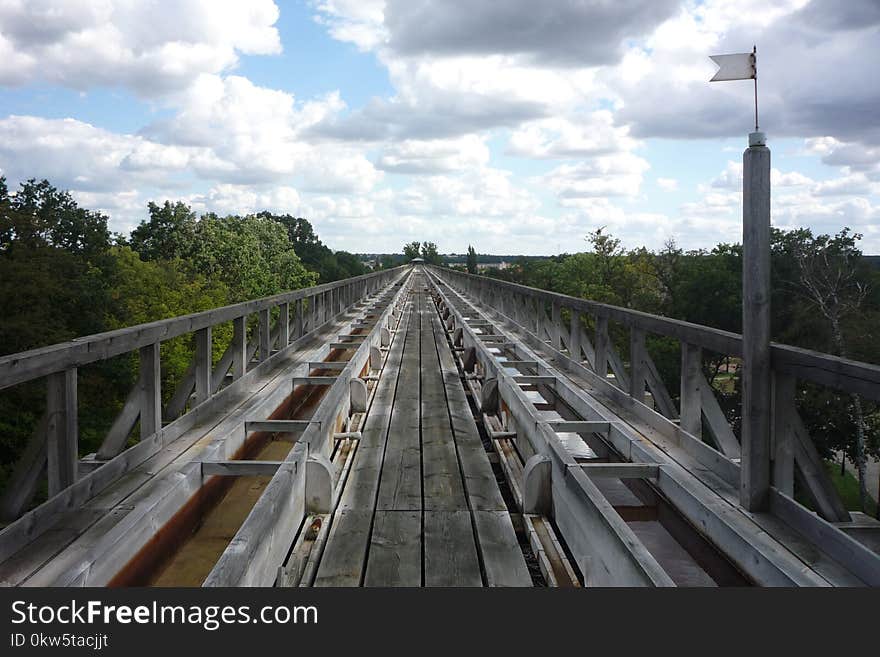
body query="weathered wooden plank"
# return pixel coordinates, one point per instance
(580, 426)
(450, 553)
(240, 468)
(620, 470)
(395, 551)
(441, 476)
(277, 426)
(602, 343)
(857, 558)
(717, 422)
(26, 475)
(283, 325)
(150, 383)
(662, 399)
(502, 557)
(203, 365)
(400, 486)
(818, 483)
(342, 563)
(263, 330)
(691, 389)
(62, 430)
(783, 432)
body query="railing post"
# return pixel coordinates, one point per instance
(784, 410)
(150, 390)
(203, 364)
(298, 319)
(63, 432)
(691, 392)
(284, 325)
(265, 339)
(239, 347)
(755, 466)
(556, 322)
(574, 336)
(539, 325)
(637, 366)
(602, 346)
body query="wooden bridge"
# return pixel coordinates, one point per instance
(425, 427)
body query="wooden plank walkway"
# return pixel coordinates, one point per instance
(421, 506)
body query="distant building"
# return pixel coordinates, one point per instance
(492, 265)
(417, 261)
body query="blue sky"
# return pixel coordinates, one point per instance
(512, 126)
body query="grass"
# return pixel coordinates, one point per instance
(848, 488)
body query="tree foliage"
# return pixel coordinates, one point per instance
(63, 276)
(471, 260)
(819, 283)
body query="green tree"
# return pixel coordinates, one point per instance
(39, 215)
(252, 256)
(314, 254)
(471, 260)
(411, 250)
(829, 275)
(430, 254)
(168, 233)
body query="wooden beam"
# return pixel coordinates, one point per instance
(691, 392)
(62, 431)
(602, 340)
(756, 455)
(239, 347)
(345, 346)
(657, 387)
(283, 325)
(203, 358)
(120, 430)
(149, 384)
(783, 432)
(717, 423)
(22, 484)
(315, 380)
(327, 364)
(637, 364)
(575, 333)
(815, 476)
(277, 426)
(580, 426)
(621, 470)
(556, 324)
(527, 379)
(240, 468)
(264, 328)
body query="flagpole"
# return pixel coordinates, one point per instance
(755, 64)
(757, 449)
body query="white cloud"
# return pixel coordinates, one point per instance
(579, 136)
(434, 155)
(244, 199)
(150, 49)
(608, 175)
(667, 184)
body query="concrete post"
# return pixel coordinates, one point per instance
(756, 393)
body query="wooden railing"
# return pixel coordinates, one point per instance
(542, 315)
(53, 447)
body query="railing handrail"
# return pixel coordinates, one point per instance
(833, 371)
(35, 363)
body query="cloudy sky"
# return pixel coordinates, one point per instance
(513, 125)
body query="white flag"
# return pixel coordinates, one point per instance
(740, 66)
